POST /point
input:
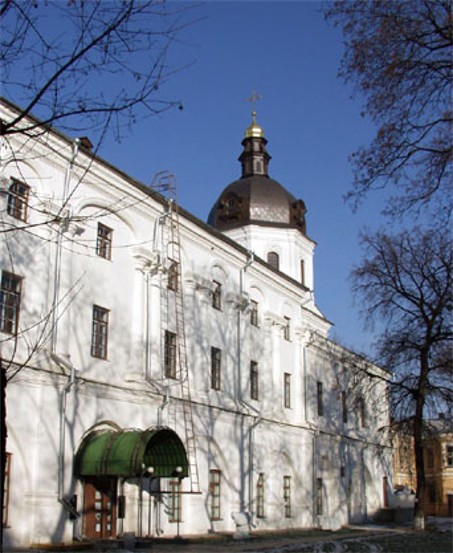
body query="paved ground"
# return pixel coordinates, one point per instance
(355, 539)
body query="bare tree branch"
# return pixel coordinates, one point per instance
(399, 56)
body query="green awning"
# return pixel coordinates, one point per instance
(157, 452)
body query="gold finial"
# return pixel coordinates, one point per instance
(254, 130)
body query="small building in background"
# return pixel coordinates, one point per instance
(438, 461)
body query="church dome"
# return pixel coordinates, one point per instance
(255, 198)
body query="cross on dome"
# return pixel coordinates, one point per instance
(254, 130)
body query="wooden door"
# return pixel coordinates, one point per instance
(100, 499)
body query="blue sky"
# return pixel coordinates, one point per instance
(287, 52)
(290, 55)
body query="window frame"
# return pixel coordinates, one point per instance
(104, 241)
(287, 328)
(287, 495)
(254, 381)
(319, 398)
(319, 498)
(170, 354)
(254, 319)
(344, 407)
(100, 332)
(260, 496)
(302, 272)
(216, 368)
(217, 295)
(215, 487)
(10, 302)
(273, 259)
(18, 203)
(287, 390)
(362, 412)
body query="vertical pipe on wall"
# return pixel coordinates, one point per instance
(239, 383)
(58, 250)
(256, 421)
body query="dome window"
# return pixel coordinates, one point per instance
(274, 260)
(230, 208)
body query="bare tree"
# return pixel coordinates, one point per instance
(399, 56)
(405, 284)
(82, 66)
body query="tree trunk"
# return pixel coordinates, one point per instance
(419, 510)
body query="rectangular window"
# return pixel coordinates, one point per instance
(214, 494)
(173, 276)
(104, 241)
(217, 295)
(287, 390)
(216, 366)
(320, 399)
(344, 407)
(100, 332)
(319, 496)
(6, 484)
(260, 496)
(254, 386)
(449, 456)
(10, 294)
(287, 495)
(342, 471)
(17, 206)
(287, 329)
(254, 313)
(170, 354)
(174, 501)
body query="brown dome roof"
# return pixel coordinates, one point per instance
(260, 200)
(255, 198)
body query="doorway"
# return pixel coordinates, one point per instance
(100, 502)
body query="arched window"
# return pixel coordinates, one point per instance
(302, 272)
(273, 260)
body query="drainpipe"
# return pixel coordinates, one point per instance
(58, 249)
(147, 325)
(241, 291)
(305, 375)
(239, 389)
(256, 421)
(314, 478)
(66, 364)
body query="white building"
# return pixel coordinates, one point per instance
(165, 374)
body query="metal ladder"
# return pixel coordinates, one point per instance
(165, 184)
